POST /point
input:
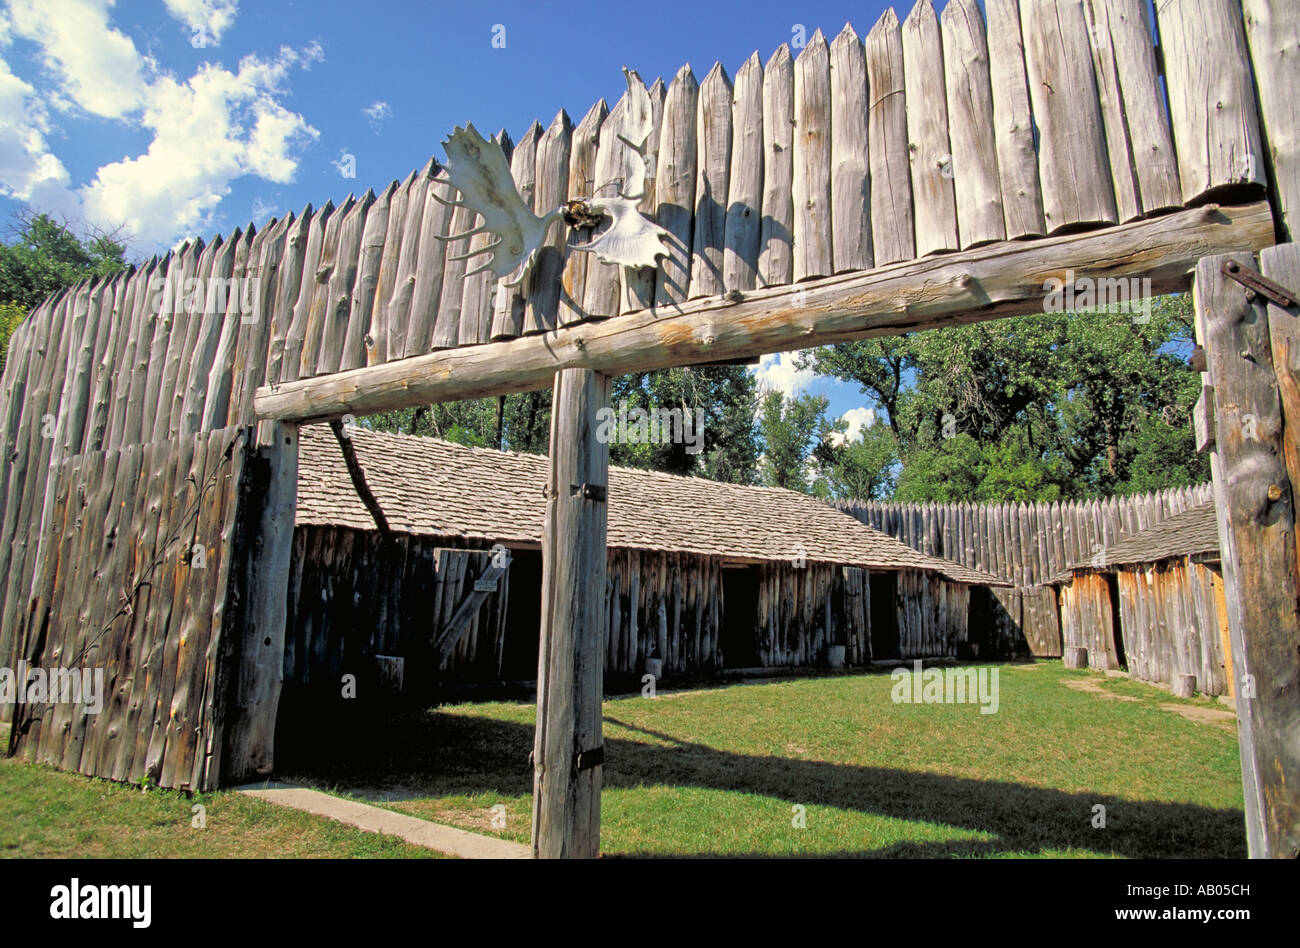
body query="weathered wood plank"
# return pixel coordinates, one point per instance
(929, 151)
(1140, 145)
(712, 172)
(357, 340)
(744, 219)
(985, 283)
(1072, 162)
(508, 304)
(542, 306)
(978, 189)
(812, 161)
(1022, 198)
(675, 186)
(568, 748)
(850, 174)
(776, 234)
(1211, 96)
(578, 267)
(1273, 35)
(1256, 517)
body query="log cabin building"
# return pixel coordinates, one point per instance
(703, 577)
(1153, 603)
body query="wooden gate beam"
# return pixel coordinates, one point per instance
(567, 747)
(1255, 505)
(1004, 279)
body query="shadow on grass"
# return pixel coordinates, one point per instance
(432, 754)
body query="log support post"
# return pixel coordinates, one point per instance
(250, 742)
(567, 749)
(1256, 425)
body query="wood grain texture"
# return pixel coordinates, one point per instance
(508, 304)
(812, 161)
(891, 198)
(850, 167)
(1273, 37)
(744, 219)
(712, 173)
(675, 186)
(977, 187)
(929, 151)
(776, 235)
(578, 266)
(1022, 198)
(1072, 163)
(542, 306)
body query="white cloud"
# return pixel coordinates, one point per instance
(207, 19)
(207, 130)
(859, 419)
(98, 67)
(777, 372)
(377, 114)
(28, 169)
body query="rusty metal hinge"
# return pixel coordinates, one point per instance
(1256, 282)
(586, 760)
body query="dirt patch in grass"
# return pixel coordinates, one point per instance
(1095, 688)
(1220, 717)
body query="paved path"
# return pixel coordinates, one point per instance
(445, 839)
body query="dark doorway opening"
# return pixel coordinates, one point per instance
(523, 616)
(884, 615)
(1112, 586)
(979, 622)
(739, 633)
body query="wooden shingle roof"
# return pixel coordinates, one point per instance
(1192, 532)
(437, 488)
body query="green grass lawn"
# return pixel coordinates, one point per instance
(724, 771)
(48, 814)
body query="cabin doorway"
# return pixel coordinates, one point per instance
(739, 633)
(1116, 630)
(884, 615)
(523, 616)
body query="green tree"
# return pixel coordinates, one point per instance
(861, 469)
(44, 255)
(790, 429)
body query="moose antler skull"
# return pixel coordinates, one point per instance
(477, 168)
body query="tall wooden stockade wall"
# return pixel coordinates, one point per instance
(1026, 544)
(880, 173)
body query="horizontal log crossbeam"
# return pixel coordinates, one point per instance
(990, 282)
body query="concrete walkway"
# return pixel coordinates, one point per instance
(445, 839)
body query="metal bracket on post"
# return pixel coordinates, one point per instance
(1256, 282)
(586, 760)
(591, 491)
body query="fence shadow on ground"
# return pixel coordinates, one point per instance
(434, 754)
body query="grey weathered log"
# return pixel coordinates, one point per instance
(850, 170)
(356, 336)
(418, 204)
(929, 150)
(568, 748)
(377, 332)
(1273, 35)
(578, 267)
(425, 324)
(1140, 145)
(891, 189)
(712, 171)
(675, 186)
(745, 179)
(508, 302)
(1022, 199)
(637, 287)
(1211, 96)
(985, 283)
(1072, 162)
(1255, 510)
(541, 311)
(476, 306)
(291, 360)
(776, 235)
(970, 125)
(812, 161)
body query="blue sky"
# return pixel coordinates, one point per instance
(191, 117)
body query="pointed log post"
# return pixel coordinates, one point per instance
(249, 751)
(567, 750)
(1255, 507)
